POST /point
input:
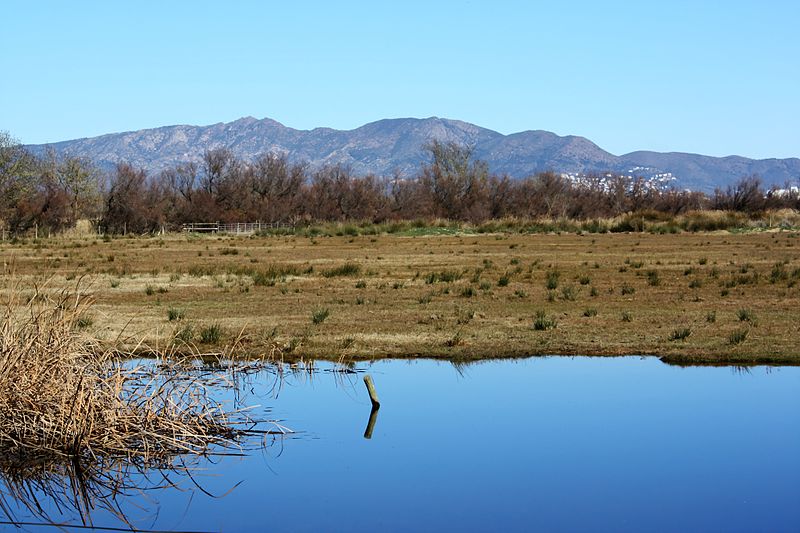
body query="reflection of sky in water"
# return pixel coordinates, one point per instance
(549, 443)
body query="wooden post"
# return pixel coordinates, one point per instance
(373, 395)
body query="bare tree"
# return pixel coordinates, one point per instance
(456, 183)
(134, 204)
(277, 187)
(18, 169)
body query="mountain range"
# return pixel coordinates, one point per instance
(389, 146)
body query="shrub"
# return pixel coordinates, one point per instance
(626, 316)
(551, 283)
(652, 278)
(503, 281)
(590, 312)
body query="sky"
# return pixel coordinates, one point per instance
(712, 77)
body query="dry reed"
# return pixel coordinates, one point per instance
(61, 395)
(78, 423)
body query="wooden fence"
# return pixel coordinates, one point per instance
(235, 227)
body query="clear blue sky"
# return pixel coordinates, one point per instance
(715, 77)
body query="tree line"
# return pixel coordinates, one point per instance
(54, 191)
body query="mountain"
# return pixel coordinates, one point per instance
(397, 145)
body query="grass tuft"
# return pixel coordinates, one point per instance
(319, 315)
(542, 322)
(737, 337)
(345, 270)
(680, 334)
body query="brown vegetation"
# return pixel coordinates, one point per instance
(64, 396)
(49, 194)
(443, 290)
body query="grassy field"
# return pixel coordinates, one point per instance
(715, 297)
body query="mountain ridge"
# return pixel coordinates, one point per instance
(396, 145)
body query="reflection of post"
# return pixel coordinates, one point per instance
(373, 416)
(373, 396)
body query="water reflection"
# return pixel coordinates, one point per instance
(373, 417)
(572, 444)
(70, 491)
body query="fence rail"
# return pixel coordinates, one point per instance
(235, 227)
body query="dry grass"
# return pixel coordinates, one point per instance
(64, 396)
(407, 294)
(83, 428)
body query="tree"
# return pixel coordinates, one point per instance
(18, 168)
(276, 186)
(745, 195)
(76, 180)
(134, 204)
(456, 183)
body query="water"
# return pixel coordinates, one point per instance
(555, 444)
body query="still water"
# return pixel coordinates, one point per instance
(550, 444)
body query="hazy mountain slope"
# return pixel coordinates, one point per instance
(388, 146)
(703, 172)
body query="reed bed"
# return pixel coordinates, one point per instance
(83, 428)
(61, 395)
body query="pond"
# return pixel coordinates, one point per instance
(556, 444)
